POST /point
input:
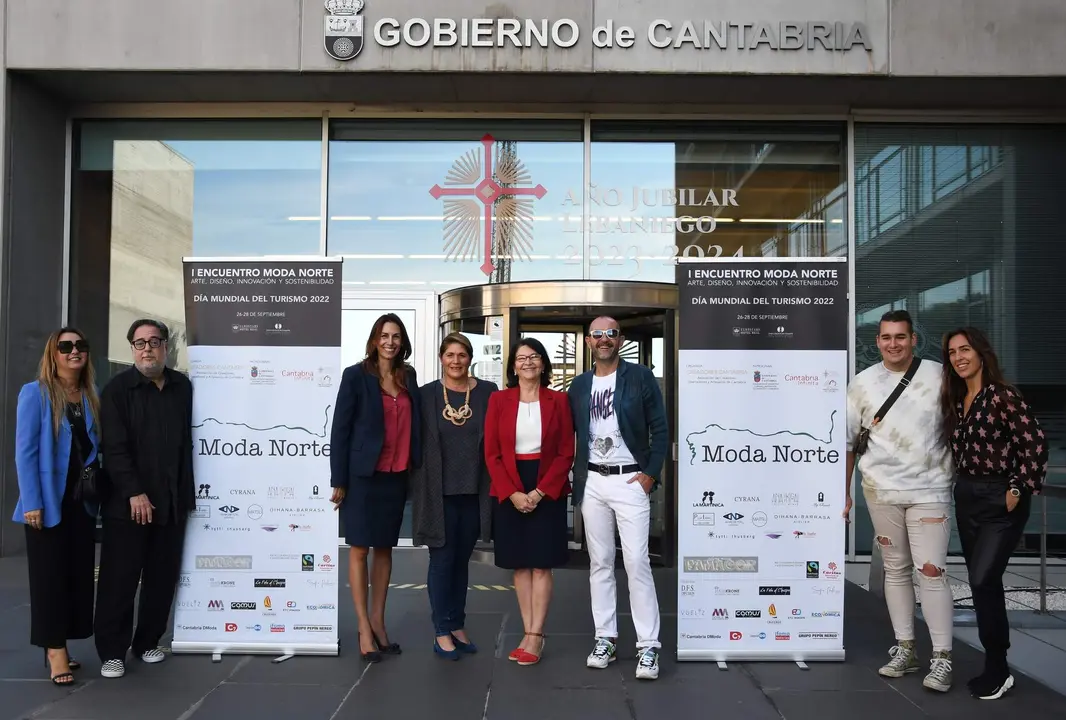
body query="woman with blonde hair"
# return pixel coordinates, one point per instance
(57, 441)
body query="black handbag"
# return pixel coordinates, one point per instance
(87, 488)
(863, 441)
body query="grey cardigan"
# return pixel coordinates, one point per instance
(426, 481)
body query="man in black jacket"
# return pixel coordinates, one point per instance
(146, 416)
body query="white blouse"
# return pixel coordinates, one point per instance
(527, 429)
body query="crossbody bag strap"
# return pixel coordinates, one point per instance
(900, 387)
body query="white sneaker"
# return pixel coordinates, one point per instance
(648, 664)
(113, 669)
(153, 656)
(602, 655)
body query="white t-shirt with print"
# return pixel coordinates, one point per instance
(905, 462)
(605, 441)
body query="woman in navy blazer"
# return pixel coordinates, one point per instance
(374, 442)
(56, 438)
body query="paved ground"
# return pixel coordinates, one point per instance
(487, 685)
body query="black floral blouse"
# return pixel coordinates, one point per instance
(1000, 437)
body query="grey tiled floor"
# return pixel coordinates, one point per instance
(486, 685)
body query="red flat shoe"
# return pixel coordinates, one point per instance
(527, 658)
(516, 653)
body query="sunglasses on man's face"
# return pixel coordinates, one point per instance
(66, 347)
(610, 332)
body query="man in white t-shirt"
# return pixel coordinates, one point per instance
(907, 475)
(622, 440)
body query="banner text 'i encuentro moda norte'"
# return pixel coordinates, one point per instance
(762, 372)
(259, 573)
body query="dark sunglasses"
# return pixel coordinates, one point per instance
(611, 333)
(66, 347)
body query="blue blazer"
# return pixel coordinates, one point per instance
(641, 413)
(42, 459)
(358, 430)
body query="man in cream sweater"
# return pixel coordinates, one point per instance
(906, 473)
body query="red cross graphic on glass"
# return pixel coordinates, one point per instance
(488, 191)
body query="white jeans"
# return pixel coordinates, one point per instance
(912, 536)
(610, 499)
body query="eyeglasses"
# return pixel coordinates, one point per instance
(152, 342)
(66, 347)
(523, 359)
(610, 332)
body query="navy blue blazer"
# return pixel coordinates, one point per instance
(42, 458)
(638, 405)
(358, 430)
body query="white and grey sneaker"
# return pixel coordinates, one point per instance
(904, 660)
(153, 656)
(602, 655)
(648, 664)
(939, 677)
(113, 669)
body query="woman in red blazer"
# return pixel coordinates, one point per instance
(529, 450)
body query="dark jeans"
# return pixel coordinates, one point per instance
(989, 534)
(449, 565)
(131, 553)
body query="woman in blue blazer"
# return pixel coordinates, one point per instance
(57, 441)
(374, 443)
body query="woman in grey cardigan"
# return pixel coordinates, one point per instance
(449, 492)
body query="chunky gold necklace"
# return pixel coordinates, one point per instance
(460, 416)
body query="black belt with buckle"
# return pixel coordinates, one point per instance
(614, 469)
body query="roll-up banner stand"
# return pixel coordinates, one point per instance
(762, 371)
(259, 573)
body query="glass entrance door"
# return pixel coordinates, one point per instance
(557, 313)
(645, 343)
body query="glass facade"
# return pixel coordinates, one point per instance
(147, 193)
(662, 190)
(440, 204)
(959, 226)
(955, 223)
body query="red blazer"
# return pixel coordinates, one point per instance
(556, 444)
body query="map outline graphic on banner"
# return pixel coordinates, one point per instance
(692, 445)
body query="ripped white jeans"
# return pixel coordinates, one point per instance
(914, 541)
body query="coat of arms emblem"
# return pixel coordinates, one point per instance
(343, 37)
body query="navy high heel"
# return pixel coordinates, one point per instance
(464, 647)
(445, 654)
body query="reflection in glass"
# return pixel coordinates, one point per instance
(663, 190)
(960, 225)
(148, 193)
(444, 204)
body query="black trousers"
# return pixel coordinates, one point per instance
(62, 562)
(989, 534)
(131, 553)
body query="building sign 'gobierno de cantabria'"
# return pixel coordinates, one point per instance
(344, 37)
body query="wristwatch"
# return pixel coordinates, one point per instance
(1015, 492)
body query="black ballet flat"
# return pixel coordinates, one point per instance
(371, 657)
(390, 649)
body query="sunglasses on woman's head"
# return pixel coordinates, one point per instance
(66, 347)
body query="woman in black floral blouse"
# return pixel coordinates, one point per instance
(1001, 458)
